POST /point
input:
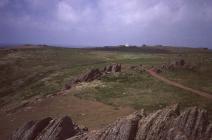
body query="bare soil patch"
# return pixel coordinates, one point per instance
(92, 114)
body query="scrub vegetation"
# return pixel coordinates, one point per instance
(36, 72)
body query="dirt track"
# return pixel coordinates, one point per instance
(201, 93)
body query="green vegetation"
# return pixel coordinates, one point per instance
(29, 72)
(139, 90)
(200, 78)
(40, 71)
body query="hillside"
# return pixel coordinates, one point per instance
(165, 124)
(37, 82)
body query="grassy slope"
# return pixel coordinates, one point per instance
(201, 78)
(28, 72)
(33, 71)
(140, 91)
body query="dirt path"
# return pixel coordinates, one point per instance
(201, 93)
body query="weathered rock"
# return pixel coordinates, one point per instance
(169, 124)
(116, 68)
(59, 129)
(87, 77)
(164, 124)
(30, 130)
(193, 124)
(180, 64)
(154, 126)
(112, 68)
(122, 129)
(47, 129)
(93, 74)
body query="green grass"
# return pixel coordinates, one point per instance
(200, 78)
(139, 90)
(41, 71)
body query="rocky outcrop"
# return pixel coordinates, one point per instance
(137, 68)
(165, 124)
(112, 68)
(93, 74)
(179, 64)
(30, 130)
(87, 77)
(122, 129)
(169, 124)
(47, 129)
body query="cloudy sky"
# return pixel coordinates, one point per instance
(107, 22)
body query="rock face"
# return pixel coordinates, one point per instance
(87, 77)
(169, 124)
(112, 68)
(30, 130)
(47, 129)
(165, 124)
(122, 129)
(93, 74)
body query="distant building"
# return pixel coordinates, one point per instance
(126, 45)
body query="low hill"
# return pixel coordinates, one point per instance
(152, 49)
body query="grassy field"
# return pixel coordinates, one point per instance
(28, 72)
(200, 78)
(33, 71)
(138, 90)
(39, 71)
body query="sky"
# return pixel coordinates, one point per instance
(107, 22)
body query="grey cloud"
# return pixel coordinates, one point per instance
(101, 22)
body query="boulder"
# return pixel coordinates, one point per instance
(123, 129)
(164, 124)
(30, 130)
(170, 124)
(154, 126)
(47, 129)
(116, 68)
(112, 68)
(180, 64)
(93, 74)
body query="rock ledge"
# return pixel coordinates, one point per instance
(164, 124)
